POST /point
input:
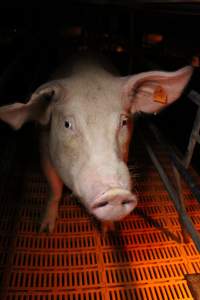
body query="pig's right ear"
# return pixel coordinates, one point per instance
(38, 108)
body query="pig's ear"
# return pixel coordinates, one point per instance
(152, 91)
(38, 107)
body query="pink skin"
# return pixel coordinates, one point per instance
(87, 128)
(97, 174)
(100, 178)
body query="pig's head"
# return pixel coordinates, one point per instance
(89, 117)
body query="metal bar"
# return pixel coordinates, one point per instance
(192, 141)
(186, 176)
(180, 193)
(195, 97)
(198, 139)
(194, 136)
(185, 219)
(177, 161)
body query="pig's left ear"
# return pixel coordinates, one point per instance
(38, 108)
(152, 91)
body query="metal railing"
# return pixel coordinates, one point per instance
(180, 169)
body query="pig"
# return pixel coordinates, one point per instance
(86, 118)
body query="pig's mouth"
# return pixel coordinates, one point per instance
(113, 205)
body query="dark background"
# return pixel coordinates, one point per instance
(34, 39)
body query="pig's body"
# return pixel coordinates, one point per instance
(87, 126)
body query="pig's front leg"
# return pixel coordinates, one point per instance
(55, 185)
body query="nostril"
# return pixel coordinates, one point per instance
(113, 204)
(101, 204)
(127, 201)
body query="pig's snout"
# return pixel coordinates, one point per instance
(113, 205)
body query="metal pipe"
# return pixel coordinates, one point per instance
(181, 198)
(185, 219)
(177, 161)
(193, 140)
(194, 137)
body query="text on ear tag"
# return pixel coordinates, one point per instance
(160, 95)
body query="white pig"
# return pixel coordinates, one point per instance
(86, 120)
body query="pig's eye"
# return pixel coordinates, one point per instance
(124, 121)
(68, 124)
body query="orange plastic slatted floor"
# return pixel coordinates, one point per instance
(144, 259)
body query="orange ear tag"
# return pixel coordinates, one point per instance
(160, 95)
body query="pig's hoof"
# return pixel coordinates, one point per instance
(48, 226)
(48, 223)
(108, 226)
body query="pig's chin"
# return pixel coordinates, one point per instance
(113, 205)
